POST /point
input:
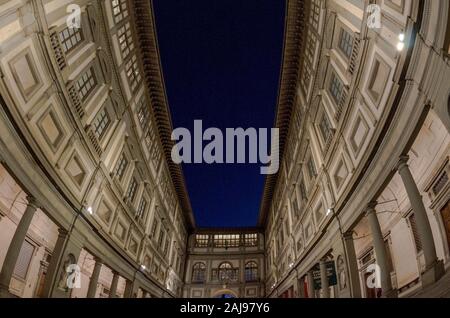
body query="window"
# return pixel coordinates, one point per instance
(141, 210)
(415, 232)
(133, 74)
(86, 84)
(154, 228)
(251, 239)
(125, 40)
(303, 192)
(24, 260)
(70, 38)
(143, 113)
(315, 14)
(308, 61)
(120, 10)
(295, 206)
(336, 88)
(325, 127)
(161, 238)
(101, 123)
(198, 273)
(311, 168)
(299, 244)
(227, 272)
(131, 193)
(346, 43)
(201, 240)
(121, 166)
(251, 272)
(226, 240)
(166, 246)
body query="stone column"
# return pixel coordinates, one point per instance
(114, 283)
(94, 279)
(380, 250)
(324, 279)
(311, 290)
(57, 258)
(434, 268)
(352, 265)
(16, 244)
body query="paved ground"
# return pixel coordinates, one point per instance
(439, 290)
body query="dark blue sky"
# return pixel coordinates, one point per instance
(221, 62)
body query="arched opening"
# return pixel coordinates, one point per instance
(198, 273)
(251, 271)
(225, 293)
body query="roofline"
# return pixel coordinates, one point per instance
(227, 230)
(144, 23)
(287, 92)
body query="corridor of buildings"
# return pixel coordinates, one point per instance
(93, 206)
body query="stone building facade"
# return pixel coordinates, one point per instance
(91, 204)
(363, 186)
(84, 175)
(225, 263)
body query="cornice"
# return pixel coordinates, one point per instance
(287, 92)
(149, 51)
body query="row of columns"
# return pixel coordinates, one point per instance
(15, 246)
(433, 266)
(323, 281)
(14, 249)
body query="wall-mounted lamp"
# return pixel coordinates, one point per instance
(401, 43)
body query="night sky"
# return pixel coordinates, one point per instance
(221, 62)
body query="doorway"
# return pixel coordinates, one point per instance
(445, 212)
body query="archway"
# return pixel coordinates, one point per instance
(225, 293)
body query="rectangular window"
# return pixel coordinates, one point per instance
(121, 166)
(336, 88)
(133, 74)
(311, 168)
(303, 191)
(125, 40)
(161, 238)
(154, 228)
(24, 260)
(315, 14)
(101, 123)
(226, 240)
(143, 113)
(70, 38)
(131, 193)
(251, 239)
(325, 127)
(415, 232)
(346, 43)
(86, 84)
(166, 246)
(201, 240)
(141, 208)
(120, 10)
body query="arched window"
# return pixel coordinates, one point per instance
(227, 272)
(251, 271)
(198, 273)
